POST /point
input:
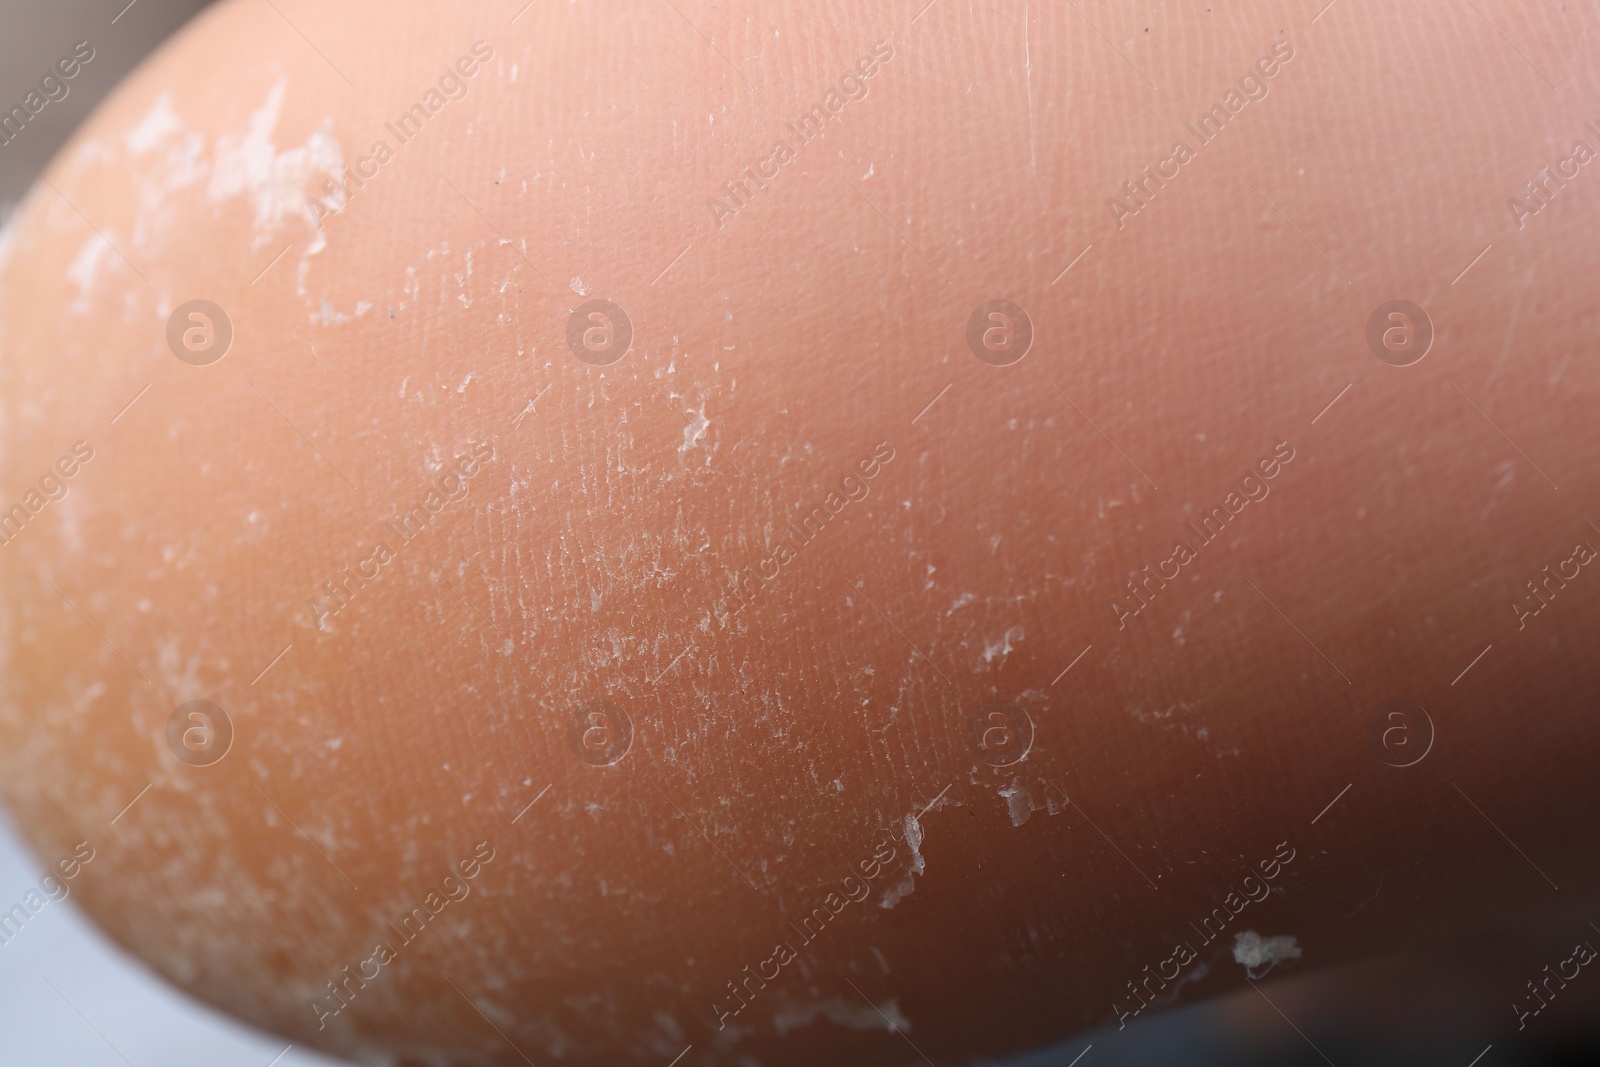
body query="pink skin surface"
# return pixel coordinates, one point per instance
(809, 682)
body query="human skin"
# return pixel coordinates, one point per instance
(818, 331)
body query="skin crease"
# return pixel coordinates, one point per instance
(778, 747)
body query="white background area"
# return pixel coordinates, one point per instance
(129, 1016)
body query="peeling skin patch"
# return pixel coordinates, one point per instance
(179, 162)
(242, 163)
(85, 269)
(1259, 955)
(907, 885)
(247, 164)
(158, 124)
(695, 430)
(856, 1015)
(1002, 647)
(1020, 803)
(1199, 971)
(1177, 716)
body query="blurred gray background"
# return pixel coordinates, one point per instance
(34, 33)
(68, 996)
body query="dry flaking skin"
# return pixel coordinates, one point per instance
(579, 659)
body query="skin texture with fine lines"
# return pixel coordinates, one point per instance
(836, 672)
